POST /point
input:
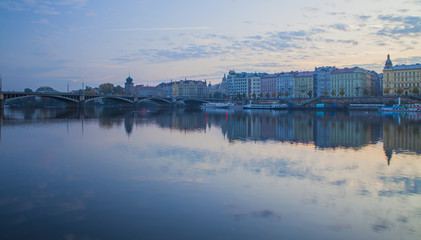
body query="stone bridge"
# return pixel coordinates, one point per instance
(79, 100)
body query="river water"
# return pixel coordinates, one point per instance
(216, 174)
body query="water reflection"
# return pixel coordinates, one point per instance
(399, 133)
(174, 174)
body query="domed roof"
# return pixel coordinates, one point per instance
(388, 62)
(129, 79)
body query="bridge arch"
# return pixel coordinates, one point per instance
(121, 99)
(57, 97)
(161, 101)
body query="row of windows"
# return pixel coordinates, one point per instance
(407, 79)
(406, 73)
(405, 85)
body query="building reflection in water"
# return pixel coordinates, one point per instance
(323, 130)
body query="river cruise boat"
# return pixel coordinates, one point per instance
(402, 108)
(269, 106)
(218, 105)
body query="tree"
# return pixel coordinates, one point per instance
(90, 91)
(372, 91)
(261, 95)
(280, 94)
(399, 91)
(365, 91)
(244, 95)
(325, 93)
(118, 90)
(28, 90)
(415, 90)
(238, 96)
(106, 88)
(386, 91)
(273, 95)
(332, 92)
(286, 94)
(309, 93)
(254, 95)
(217, 95)
(342, 92)
(267, 95)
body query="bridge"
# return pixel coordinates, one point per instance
(79, 100)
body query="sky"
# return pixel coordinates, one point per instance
(62, 43)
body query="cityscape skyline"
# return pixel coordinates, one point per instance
(68, 42)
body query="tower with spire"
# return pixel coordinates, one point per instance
(388, 64)
(129, 86)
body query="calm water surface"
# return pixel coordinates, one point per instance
(162, 174)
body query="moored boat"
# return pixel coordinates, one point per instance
(402, 108)
(270, 106)
(218, 105)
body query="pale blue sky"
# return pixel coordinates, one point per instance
(47, 42)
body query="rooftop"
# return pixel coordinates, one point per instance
(407, 67)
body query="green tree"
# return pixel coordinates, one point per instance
(342, 92)
(372, 91)
(365, 91)
(325, 93)
(217, 95)
(254, 95)
(286, 94)
(267, 95)
(399, 91)
(386, 91)
(244, 95)
(238, 96)
(118, 90)
(309, 93)
(416, 90)
(106, 88)
(261, 95)
(280, 94)
(332, 92)
(90, 91)
(273, 95)
(28, 90)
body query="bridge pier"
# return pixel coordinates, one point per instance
(1, 99)
(81, 104)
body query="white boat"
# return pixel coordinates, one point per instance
(218, 105)
(270, 106)
(402, 108)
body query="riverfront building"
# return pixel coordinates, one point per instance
(242, 84)
(285, 84)
(303, 84)
(189, 88)
(321, 81)
(350, 82)
(268, 85)
(401, 79)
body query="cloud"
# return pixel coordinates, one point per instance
(16, 5)
(177, 53)
(41, 21)
(46, 10)
(353, 42)
(397, 26)
(159, 29)
(41, 7)
(363, 17)
(339, 26)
